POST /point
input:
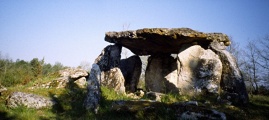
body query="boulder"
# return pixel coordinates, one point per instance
(108, 62)
(149, 41)
(74, 73)
(93, 89)
(199, 70)
(109, 57)
(28, 100)
(232, 81)
(131, 70)
(113, 79)
(81, 82)
(161, 74)
(78, 73)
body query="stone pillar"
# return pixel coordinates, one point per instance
(199, 70)
(232, 81)
(131, 70)
(161, 74)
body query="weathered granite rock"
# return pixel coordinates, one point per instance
(209, 73)
(29, 100)
(113, 79)
(150, 41)
(108, 62)
(199, 70)
(232, 81)
(74, 73)
(78, 73)
(161, 74)
(131, 70)
(81, 82)
(109, 57)
(93, 89)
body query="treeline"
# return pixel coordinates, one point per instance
(253, 60)
(21, 72)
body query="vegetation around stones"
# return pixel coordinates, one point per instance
(70, 102)
(70, 106)
(22, 75)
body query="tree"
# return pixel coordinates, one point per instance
(263, 52)
(251, 68)
(234, 49)
(36, 66)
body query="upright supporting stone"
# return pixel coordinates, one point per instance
(131, 70)
(199, 70)
(109, 61)
(109, 57)
(232, 81)
(161, 74)
(93, 89)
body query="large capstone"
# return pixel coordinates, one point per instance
(150, 41)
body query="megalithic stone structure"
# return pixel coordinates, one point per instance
(182, 61)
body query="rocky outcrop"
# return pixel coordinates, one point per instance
(93, 89)
(73, 73)
(28, 100)
(131, 70)
(161, 74)
(77, 76)
(149, 41)
(189, 110)
(232, 82)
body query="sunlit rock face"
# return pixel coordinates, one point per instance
(199, 70)
(182, 61)
(28, 100)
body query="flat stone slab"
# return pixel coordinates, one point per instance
(150, 41)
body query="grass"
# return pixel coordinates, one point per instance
(70, 105)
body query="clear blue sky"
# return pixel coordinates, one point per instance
(72, 31)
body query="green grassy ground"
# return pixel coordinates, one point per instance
(70, 106)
